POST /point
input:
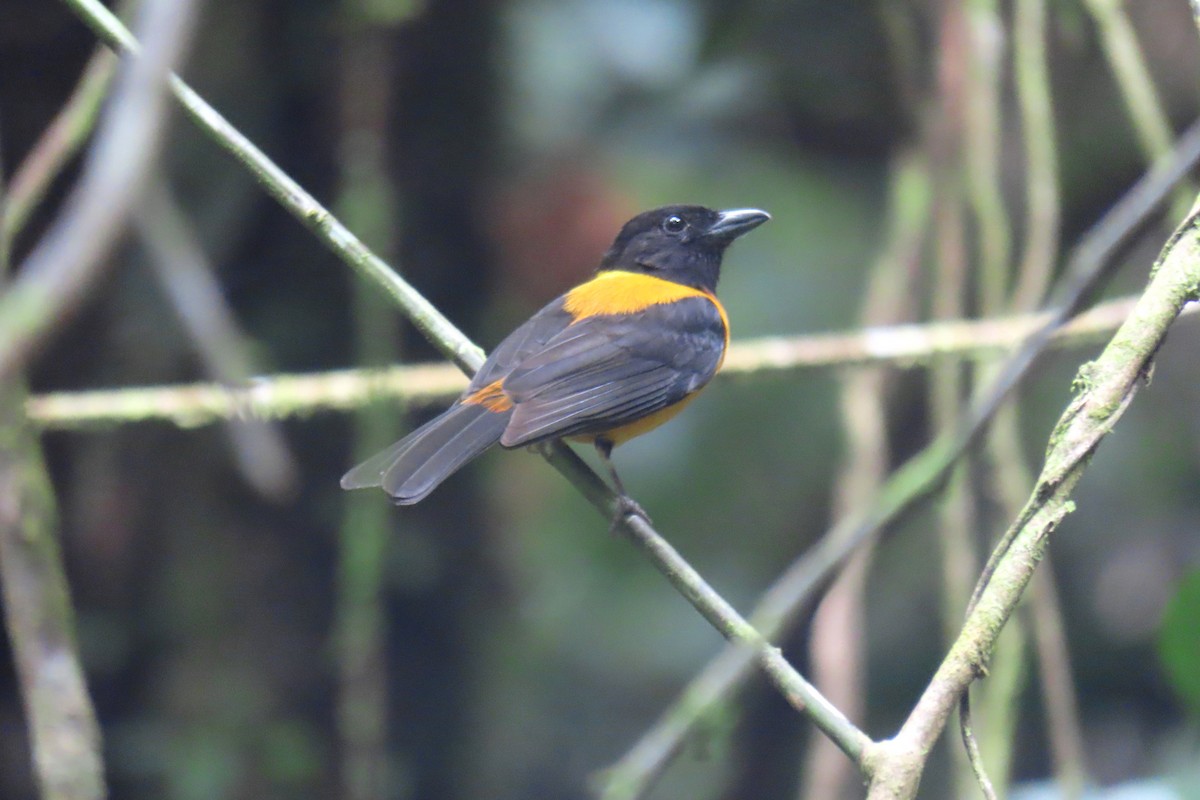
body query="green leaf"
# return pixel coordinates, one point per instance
(1179, 641)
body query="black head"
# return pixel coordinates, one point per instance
(680, 243)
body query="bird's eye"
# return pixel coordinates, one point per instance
(674, 224)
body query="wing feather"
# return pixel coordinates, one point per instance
(610, 404)
(526, 340)
(606, 371)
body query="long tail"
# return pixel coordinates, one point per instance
(415, 466)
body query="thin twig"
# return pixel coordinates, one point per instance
(1040, 141)
(837, 648)
(1133, 76)
(981, 149)
(54, 149)
(966, 97)
(974, 757)
(186, 276)
(361, 630)
(57, 145)
(1058, 692)
(1014, 477)
(63, 733)
(1004, 477)
(743, 634)
(1146, 110)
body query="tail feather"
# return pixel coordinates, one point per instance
(413, 467)
(370, 472)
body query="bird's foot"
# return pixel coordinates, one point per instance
(626, 507)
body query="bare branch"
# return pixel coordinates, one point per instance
(1146, 110)
(722, 616)
(1042, 202)
(283, 396)
(183, 270)
(1063, 727)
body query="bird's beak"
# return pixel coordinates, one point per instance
(732, 224)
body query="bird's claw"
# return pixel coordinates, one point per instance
(627, 507)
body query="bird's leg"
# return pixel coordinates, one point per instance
(626, 505)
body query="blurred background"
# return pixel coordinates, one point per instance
(251, 631)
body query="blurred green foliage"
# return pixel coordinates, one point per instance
(1179, 640)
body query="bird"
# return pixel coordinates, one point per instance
(611, 359)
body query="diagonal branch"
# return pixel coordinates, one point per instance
(186, 277)
(57, 146)
(714, 608)
(57, 275)
(1106, 386)
(293, 197)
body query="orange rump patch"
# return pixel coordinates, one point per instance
(491, 397)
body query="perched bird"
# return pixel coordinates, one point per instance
(609, 360)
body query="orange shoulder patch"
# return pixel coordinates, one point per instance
(619, 292)
(491, 397)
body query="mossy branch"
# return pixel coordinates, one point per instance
(61, 721)
(283, 396)
(1105, 388)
